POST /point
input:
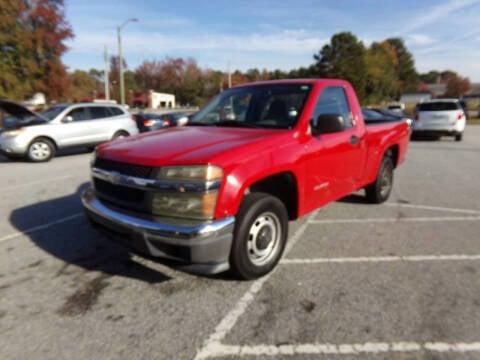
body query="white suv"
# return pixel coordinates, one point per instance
(38, 136)
(440, 117)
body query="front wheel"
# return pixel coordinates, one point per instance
(40, 150)
(379, 191)
(259, 237)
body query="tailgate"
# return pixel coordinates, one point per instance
(438, 118)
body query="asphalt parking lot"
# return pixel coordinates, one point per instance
(358, 281)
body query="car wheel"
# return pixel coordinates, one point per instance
(119, 135)
(40, 150)
(379, 191)
(459, 137)
(260, 235)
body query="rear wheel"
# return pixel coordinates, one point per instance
(379, 191)
(40, 150)
(259, 237)
(119, 135)
(458, 137)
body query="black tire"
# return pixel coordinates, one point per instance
(379, 191)
(260, 235)
(40, 150)
(119, 135)
(459, 137)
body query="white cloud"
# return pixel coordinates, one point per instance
(420, 39)
(438, 12)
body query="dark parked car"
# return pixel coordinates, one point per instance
(151, 121)
(376, 115)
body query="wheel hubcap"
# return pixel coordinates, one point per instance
(386, 182)
(264, 239)
(40, 150)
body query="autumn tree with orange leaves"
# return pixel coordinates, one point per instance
(32, 36)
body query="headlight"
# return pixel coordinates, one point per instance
(12, 133)
(191, 173)
(195, 202)
(185, 205)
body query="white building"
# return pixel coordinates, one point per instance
(160, 100)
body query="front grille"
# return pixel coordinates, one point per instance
(123, 196)
(124, 168)
(120, 193)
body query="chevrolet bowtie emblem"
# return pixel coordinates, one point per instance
(114, 177)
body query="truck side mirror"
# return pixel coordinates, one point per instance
(327, 123)
(67, 119)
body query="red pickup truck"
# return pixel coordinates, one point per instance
(218, 193)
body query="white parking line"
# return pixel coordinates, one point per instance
(38, 228)
(343, 349)
(8, 188)
(376, 259)
(435, 208)
(395, 220)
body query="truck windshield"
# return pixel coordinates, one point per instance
(276, 106)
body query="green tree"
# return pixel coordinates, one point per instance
(432, 77)
(344, 58)
(83, 85)
(407, 76)
(381, 76)
(304, 72)
(32, 35)
(278, 74)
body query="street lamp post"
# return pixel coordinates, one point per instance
(120, 60)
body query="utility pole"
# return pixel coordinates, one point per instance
(120, 59)
(229, 76)
(107, 81)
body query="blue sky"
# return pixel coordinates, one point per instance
(269, 34)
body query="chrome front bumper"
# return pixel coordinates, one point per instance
(201, 247)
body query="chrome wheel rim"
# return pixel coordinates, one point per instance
(40, 150)
(264, 236)
(386, 181)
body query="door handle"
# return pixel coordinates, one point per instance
(354, 140)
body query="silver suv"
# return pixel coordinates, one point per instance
(37, 136)
(440, 117)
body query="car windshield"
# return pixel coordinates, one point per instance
(276, 106)
(52, 113)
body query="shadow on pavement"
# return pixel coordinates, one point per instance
(71, 239)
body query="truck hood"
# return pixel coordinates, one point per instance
(182, 145)
(20, 115)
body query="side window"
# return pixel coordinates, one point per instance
(98, 112)
(78, 114)
(333, 100)
(114, 111)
